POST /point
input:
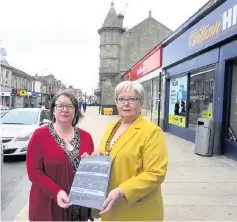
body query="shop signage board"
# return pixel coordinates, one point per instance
(178, 101)
(212, 29)
(154, 61)
(21, 93)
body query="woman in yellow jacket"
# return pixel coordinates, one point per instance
(138, 149)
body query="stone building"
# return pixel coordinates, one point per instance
(5, 82)
(120, 49)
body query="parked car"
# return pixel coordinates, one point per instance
(4, 110)
(17, 127)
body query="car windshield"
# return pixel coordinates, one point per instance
(24, 117)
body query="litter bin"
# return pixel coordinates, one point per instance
(204, 137)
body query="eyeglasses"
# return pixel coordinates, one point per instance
(130, 100)
(61, 106)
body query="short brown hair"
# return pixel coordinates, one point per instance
(69, 94)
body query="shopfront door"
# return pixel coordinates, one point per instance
(147, 103)
(230, 141)
(157, 100)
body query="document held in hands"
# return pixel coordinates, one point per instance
(89, 188)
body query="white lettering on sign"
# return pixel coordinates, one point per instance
(141, 69)
(229, 18)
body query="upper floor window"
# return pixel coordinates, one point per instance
(29, 85)
(1, 76)
(15, 83)
(23, 84)
(7, 74)
(20, 83)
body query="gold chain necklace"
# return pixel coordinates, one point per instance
(108, 148)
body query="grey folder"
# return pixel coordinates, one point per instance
(89, 188)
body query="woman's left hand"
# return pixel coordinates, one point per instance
(113, 196)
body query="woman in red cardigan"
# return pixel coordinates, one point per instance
(53, 156)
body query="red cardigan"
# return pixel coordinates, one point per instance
(49, 169)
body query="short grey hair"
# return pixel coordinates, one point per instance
(127, 86)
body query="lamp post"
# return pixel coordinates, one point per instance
(101, 80)
(42, 85)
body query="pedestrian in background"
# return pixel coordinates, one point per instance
(84, 105)
(53, 155)
(79, 105)
(139, 153)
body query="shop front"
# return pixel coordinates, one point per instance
(18, 98)
(201, 78)
(148, 72)
(5, 96)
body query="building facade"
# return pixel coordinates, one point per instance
(19, 89)
(148, 72)
(200, 66)
(121, 48)
(23, 92)
(5, 82)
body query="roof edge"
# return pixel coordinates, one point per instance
(122, 30)
(200, 14)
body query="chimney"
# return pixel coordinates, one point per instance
(150, 14)
(121, 18)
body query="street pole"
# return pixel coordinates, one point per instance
(42, 89)
(42, 85)
(100, 97)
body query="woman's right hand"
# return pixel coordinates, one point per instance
(63, 199)
(95, 153)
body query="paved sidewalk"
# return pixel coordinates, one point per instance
(196, 188)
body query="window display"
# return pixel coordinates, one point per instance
(201, 96)
(147, 103)
(232, 129)
(158, 93)
(178, 101)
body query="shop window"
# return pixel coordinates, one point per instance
(1, 77)
(178, 101)
(157, 82)
(232, 126)
(147, 103)
(201, 96)
(155, 100)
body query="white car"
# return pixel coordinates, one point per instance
(3, 110)
(17, 127)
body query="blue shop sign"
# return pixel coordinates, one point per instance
(35, 94)
(215, 27)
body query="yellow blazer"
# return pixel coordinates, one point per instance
(139, 167)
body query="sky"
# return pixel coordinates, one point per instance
(60, 37)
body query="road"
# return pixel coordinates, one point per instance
(13, 172)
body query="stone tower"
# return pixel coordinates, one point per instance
(110, 36)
